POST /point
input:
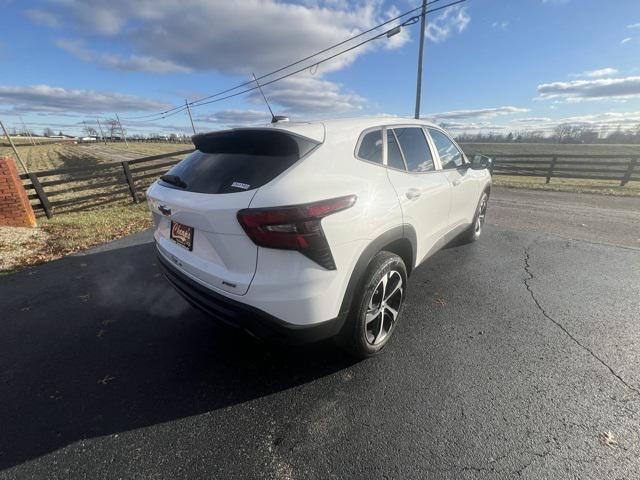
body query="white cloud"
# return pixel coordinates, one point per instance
(451, 20)
(597, 89)
(306, 94)
(601, 72)
(603, 122)
(47, 99)
(132, 63)
(634, 25)
(236, 117)
(228, 37)
(532, 120)
(502, 25)
(476, 114)
(237, 38)
(555, 2)
(43, 17)
(625, 40)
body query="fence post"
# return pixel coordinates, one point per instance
(44, 201)
(551, 167)
(132, 186)
(15, 150)
(629, 172)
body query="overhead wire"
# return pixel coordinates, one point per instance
(292, 64)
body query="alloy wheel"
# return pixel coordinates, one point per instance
(383, 307)
(482, 213)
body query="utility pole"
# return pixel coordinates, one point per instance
(26, 129)
(423, 21)
(15, 150)
(122, 131)
(101, 132)
(190, 117)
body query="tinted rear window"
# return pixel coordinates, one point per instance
(236, 161)
(371, 147)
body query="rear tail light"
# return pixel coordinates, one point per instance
(295, 227)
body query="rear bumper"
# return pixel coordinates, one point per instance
(248, 318)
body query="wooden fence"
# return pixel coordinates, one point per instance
(618, 168)
(77, 188)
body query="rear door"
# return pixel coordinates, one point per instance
(195, 204)
(423, 190)
(465, 192)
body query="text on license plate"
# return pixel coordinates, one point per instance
(182, 235)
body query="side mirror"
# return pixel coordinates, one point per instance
(480, 162)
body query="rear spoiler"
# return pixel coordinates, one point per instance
(254, 141)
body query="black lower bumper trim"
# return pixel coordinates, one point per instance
(251, 319)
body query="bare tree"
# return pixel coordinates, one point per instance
(47, 132)
(113, 128)
(90, 131)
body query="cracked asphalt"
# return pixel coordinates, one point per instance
(517, 357)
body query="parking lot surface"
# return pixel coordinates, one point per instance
(518, 356)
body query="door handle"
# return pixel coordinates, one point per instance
(412, 193)
(456, 182)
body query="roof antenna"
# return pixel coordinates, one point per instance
(273, 117)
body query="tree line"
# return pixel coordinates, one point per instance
(564, 133)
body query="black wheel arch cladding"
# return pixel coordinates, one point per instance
(400, 240)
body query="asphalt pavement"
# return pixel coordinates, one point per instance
(517, 357)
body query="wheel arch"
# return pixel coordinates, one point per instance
(400, 240)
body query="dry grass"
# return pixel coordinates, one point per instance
(61, 155)
(600, 187)
(68, 233)
(548, 149)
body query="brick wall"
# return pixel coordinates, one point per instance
(15, 209)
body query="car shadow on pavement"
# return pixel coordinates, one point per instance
(99, 344)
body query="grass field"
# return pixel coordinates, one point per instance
(59, 155)
(69, 233)
(548, 149)
(604, 187)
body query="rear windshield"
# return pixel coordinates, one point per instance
(237, 160)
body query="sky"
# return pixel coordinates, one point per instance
(489, 65)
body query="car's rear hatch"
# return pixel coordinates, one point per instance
(204, 192)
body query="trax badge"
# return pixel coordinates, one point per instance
(244, 186)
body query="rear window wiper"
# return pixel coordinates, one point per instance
(173, 180)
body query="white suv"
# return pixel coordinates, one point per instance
(306, 231)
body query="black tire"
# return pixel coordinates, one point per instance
(358, 336)
(472, 234)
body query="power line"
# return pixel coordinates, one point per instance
(407, 22)
(315, 54)
(297, 62)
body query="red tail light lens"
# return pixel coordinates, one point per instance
(295, 227)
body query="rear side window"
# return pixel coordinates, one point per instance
(371, 147)
(415, 148)
(450, 156)
(394, 157)
(237, 160)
